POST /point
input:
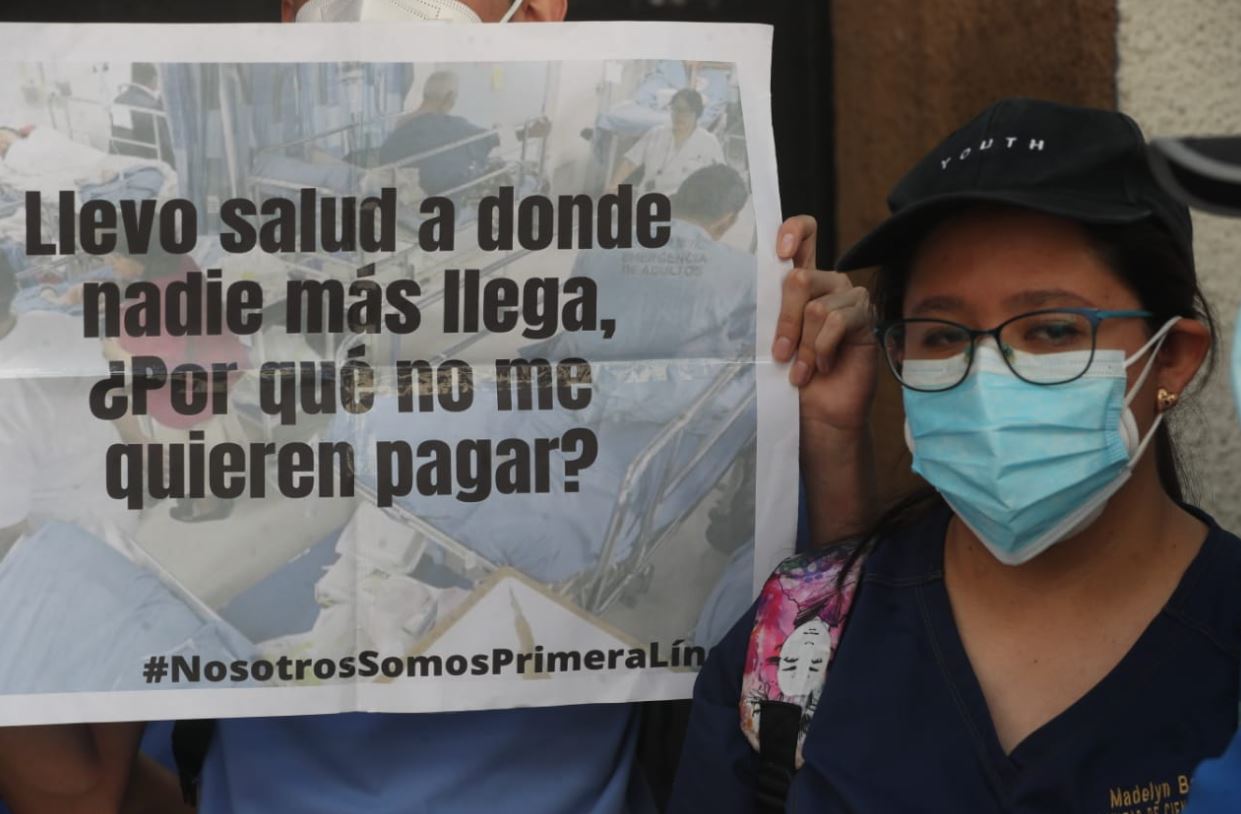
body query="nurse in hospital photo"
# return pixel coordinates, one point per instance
(667, 154)
(1051, 625)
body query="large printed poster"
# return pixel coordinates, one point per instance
(396, 368)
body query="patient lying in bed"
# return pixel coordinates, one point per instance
(47, 160)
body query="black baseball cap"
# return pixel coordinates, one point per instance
(1204, 172)
(1081, 163)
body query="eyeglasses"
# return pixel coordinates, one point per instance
(932, 355)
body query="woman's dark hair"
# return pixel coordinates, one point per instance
(1150, 261)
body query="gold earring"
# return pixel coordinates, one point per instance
(1166, 400)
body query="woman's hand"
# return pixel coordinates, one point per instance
(825, 329)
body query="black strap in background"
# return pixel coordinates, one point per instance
(778, 725)
(190, 742)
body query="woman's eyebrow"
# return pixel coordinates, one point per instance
(1041, 298)
(938, 304)
(1046, 297)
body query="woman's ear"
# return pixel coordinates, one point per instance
(1182, 355)
(542, 11)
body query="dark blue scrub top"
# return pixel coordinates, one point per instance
(903, 725)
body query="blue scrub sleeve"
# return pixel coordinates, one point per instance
(1216, 787)
(718, 768)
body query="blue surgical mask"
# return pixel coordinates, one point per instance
(1026, 465)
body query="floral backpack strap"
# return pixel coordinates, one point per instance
(801, 613)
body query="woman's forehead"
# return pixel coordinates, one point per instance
(1013, 256)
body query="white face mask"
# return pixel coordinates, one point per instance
(348, 11)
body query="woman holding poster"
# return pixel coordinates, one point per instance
(1051, 627)
(569, 759)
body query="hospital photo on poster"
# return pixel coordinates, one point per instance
(490, 415)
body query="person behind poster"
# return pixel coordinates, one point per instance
(1039, 305)
(545, 760)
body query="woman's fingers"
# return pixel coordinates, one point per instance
(830, 321)
(808, 298)
(801, 286)
(849, 319)
(796, 241)
(819, 318)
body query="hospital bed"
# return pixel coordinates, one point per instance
(40, 285)
(79, 118)
(81, 121)
(50, 162)
(81, 617)
(667, 480)
(663, 448)
(123, 117)
(321, 162)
